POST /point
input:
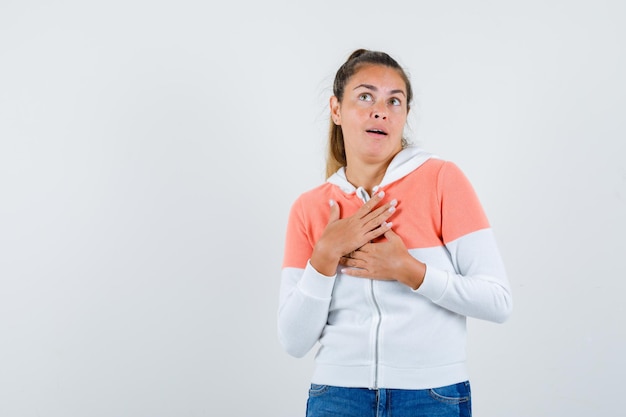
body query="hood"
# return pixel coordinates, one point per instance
(405, 161)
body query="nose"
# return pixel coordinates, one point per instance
(379, 111)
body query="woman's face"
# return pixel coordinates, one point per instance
(372, 114)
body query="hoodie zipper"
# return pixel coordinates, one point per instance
(376, 335)
(364, 196)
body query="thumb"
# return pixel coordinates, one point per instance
(334, 211)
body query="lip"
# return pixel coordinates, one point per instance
(378, 131)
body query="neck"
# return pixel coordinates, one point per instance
(366, 176)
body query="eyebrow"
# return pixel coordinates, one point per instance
(373, 88)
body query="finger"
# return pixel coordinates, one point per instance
(365, 248)
(371, 204)
(365, 273)
(353, 263)
(355, 272)
(380, 215)
(349, 255)
(379, 231)
(390, 234)
(384, 210)
(334, 211)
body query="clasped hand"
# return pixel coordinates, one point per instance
(349, 242)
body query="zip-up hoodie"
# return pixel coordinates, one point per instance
(381, 333)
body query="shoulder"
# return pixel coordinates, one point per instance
(443, 177)
(441, 166)
(451, 175)
(314, 195)
(436, 170)
(445, 173)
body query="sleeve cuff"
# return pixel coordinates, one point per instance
(314, 284)
(435, 284)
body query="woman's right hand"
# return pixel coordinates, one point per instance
(343, 236)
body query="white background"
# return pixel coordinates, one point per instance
(150, 151)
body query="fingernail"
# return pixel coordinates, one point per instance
(388, 224)
(392, 209)
(381, 194)
(331, 202)
(394, 202)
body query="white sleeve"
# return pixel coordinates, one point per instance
(304, 301)
(480, 287)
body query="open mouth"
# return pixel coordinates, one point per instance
(377, 131)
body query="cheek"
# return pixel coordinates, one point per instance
(400, 118)
(352, 117)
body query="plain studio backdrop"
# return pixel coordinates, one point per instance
(150, 152)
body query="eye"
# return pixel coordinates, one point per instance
(365, 97)
(395, 101)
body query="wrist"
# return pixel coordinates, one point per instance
(415, 271)
(323, 262)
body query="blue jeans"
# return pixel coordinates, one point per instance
(449, 401)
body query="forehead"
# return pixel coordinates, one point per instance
(380, 76)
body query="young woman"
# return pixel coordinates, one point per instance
(384, 261)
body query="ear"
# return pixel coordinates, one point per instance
(335, 110)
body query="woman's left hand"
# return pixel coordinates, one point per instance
(385, 260)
